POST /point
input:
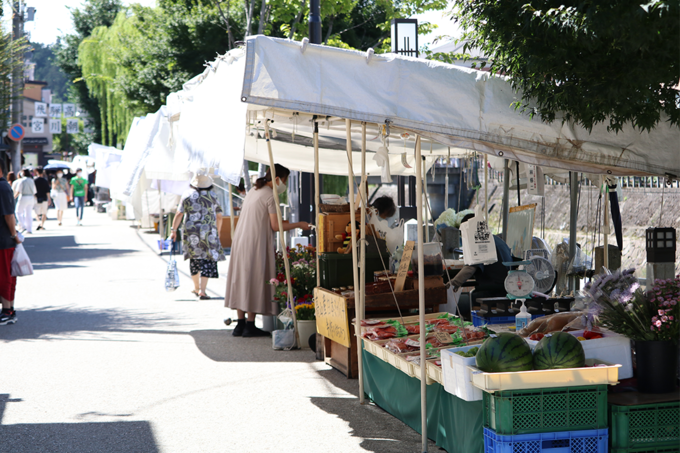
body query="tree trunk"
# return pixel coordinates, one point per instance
(263, 13)
(249, 15)
(297, 19)
(230, 44)
(330, 30)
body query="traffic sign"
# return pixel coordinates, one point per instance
(16, 132)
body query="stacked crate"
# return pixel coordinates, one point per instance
(560, 419)
(645, 428)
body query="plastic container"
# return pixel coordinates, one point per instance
(590, 441)
(336, 269)
(649, 449)
(523, 318)
(645, 427)
(512, 412)
(541, 379)
(613, 348)
(433, 260)
(456, 376)
(479, 321)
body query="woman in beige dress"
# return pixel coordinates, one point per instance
(253, 254)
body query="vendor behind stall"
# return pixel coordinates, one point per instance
(490, 278)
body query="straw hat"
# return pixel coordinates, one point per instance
(202, 181)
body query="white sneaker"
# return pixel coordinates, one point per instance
(78, 223)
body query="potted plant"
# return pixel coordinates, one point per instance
(650, 318)
(306, 321)
(303, 275)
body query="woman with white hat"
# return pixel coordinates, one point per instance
(253, 255)
(200, 239)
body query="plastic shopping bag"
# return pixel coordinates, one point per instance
(171, 275)
(21, 264)
(478, 243)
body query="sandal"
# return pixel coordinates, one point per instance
(204, 297)
(195, 293)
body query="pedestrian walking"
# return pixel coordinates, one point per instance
(78, 193)
(24, 194)
(60, 195)
(253, 255)
(42, 197)
(202, 216)
(8, 241)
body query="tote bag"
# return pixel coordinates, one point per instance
(478, 243)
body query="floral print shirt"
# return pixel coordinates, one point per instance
(201, 239)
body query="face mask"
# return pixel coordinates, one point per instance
(79, 174)
(280, 188)
(59, 175)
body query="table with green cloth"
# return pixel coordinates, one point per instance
(454, 424)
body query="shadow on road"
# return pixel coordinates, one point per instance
(104, 437)
(65, 249)
(40, 322)
(368, 422)
(222, 346)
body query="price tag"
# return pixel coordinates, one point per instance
(443, 337)
(371, 322)
(403, 266)
(493, 335)
(412, 343)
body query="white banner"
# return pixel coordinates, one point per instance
(72, 126)
(40, 109)
(69, 110)
(55, 126)
(38, 125)
(55, 110)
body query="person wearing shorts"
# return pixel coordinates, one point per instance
(60, 195)
(42, 195)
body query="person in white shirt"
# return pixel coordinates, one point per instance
(24, 194)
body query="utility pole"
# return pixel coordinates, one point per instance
(17, 83)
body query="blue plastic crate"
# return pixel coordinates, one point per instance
(590, 441)
(478, 321)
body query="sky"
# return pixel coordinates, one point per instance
(52, 19)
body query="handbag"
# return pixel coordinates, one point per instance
(171, 273)
(479, 246)
(21, 263)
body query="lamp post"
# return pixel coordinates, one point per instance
(405, 37)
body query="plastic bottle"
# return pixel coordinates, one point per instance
(523, 318)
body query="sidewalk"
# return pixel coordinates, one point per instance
(102, 359)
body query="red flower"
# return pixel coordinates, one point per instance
(280, 277)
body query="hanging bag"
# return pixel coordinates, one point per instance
(171, 273)
(478, 243)
(21, 264)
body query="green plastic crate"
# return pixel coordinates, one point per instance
(648, 449)
(512, 412)
(336, 268)
(645, 427)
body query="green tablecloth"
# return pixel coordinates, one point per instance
(454, 424)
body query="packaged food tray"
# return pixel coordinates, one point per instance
(588, 441)
(511, 412)
(541, 379)
(645, 426)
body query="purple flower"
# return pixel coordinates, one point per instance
(661, 312)
(657, 323)
(664, 318)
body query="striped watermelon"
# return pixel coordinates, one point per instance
(560, 350)
(505, 352)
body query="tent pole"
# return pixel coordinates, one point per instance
(573, 218)
(361, 309)
(282, 238)
(355, 264)
(486, 188)
(421, 297)
(506, 198)
(231, 211)
(605, 221)
(317, 197)
(426, 216)
(446, 180)
(161, 225)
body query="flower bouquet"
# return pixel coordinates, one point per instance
(303, 276)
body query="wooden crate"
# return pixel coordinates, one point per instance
(332, 224)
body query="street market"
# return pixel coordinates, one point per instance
(424, 287)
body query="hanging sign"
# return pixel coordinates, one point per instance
(403, 266)
(55, 110)
(72, 126)
(69, 110)
(40, 109)
(16, 132)
(55, 126)
(88, 126)
(535, 180)
(38, 125)
(331, 316)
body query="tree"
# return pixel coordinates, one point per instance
(11, 57)
(46, 70)
(590, 61)
(92, 14)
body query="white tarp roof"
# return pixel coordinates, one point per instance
(456, 106)
(106, 162)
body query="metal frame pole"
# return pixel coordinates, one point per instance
(361, 309)
(421, 297)
(573, 219)
(506, 198)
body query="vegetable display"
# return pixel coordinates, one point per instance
(504, 352)
(557, 351)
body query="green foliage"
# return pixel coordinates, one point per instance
(588, 61)
(46, 70)
(338, 185)
(11, 52)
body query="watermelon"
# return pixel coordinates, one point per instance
(559, 350)
(504, 352)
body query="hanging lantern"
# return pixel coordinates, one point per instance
(405, 37)
(661, 245)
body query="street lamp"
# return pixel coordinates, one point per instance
(405, 37)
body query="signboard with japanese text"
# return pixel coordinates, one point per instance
(331, 316)
(69, 110)
(55, 110)
(55, 126)
(88, 126)
(40, 109)
(72, 126)
(38, 125)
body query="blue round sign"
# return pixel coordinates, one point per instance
(16, 132)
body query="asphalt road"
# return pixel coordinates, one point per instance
(102, 359)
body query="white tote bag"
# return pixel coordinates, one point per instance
(21, 264)
(478, 243)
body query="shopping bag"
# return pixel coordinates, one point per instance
(171, 274)
(478, 243)
(21, 264)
